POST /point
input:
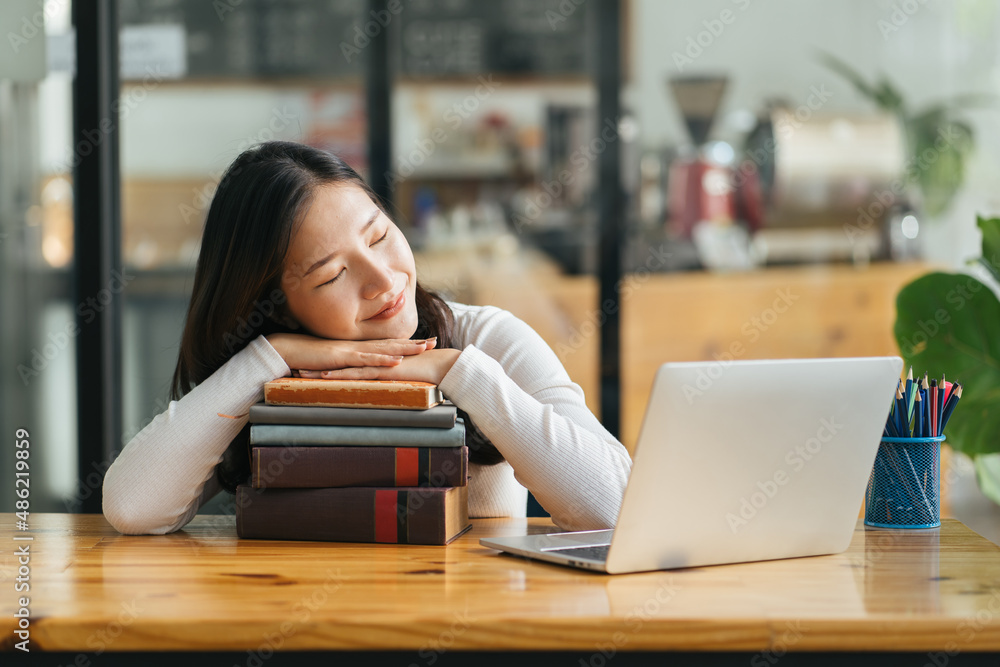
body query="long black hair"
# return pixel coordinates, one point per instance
(237, 284)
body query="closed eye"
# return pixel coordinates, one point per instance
(332, 280)
(375, 243)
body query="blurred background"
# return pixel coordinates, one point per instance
(786, 167)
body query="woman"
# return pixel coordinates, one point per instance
(302, 272)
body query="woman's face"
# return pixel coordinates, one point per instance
(349, 272)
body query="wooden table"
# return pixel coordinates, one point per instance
(204, 589)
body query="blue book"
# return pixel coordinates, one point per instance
(299, 435)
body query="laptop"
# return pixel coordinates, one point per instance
(739, 461)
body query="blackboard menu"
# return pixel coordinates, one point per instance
(468, 37)
(260, 38)
(327, 39)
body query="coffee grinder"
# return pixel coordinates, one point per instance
(699, 186)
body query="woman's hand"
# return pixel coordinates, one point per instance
(430, 366)
(307, 355)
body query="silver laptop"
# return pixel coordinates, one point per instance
(739, 461)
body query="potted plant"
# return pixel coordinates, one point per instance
(949, 323)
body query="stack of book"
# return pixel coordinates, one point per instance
(355, 461)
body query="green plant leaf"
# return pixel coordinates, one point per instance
(929, 119)
(990, 227)
(937, 145)
(949, 324)
(888, 97)
(852, 75)
(974, 427)
(939, 148)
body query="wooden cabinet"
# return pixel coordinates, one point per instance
(804, 312)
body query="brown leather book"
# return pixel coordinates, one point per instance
(395, 394)
(312, 467)
(408, 515)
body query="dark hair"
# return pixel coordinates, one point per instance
(237, 292)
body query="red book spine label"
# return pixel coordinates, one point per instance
(407, 466)
(385, 516)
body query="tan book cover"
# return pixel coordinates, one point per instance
(395, 394)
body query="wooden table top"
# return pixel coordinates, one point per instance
(204, 589)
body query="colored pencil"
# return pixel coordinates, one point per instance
(942, 392)
(934, 407)
(900, 413)
(921, 408)
(909, 393)
(952, 402)
(926, 419)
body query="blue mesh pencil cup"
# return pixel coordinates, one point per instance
(904, 486)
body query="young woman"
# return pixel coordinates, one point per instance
(302, 272)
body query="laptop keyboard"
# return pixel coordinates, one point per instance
(599, 552)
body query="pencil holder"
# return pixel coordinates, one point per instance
(904, 487)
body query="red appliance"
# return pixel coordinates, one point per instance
(699, 188)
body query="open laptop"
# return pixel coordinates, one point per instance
(739, 461)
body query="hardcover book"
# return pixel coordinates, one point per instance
(316, 435)
(439, 416)
(311, 467)
(406, 515)
(393, 394)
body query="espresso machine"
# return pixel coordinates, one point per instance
(831, 183)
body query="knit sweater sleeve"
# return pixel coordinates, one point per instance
(517, 392)
(167, 471)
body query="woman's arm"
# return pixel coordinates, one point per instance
(167, 471)
(517, 392)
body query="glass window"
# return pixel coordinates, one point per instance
(37, 314)
(201, 82)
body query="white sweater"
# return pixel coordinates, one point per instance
(507, 379)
